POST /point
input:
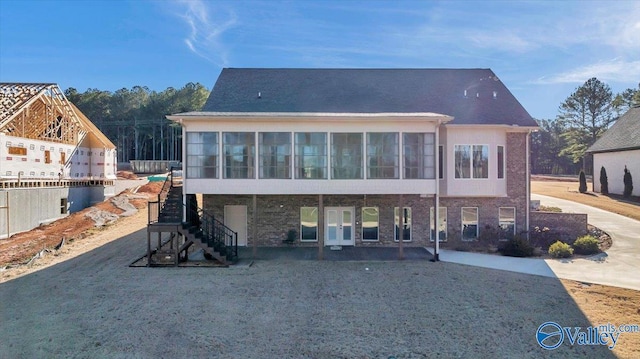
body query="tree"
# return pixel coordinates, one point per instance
(583, 182)
(604, 181)
(626, 99)
(546, 145)
(587, 113)
(628, 183)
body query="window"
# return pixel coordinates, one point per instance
(63, 206)
(440, 162)
(346, 155)
(202, 155)
(311, 155)
(239, 152)
(370, 223)
(442, 227)
(500, 161)
(469, 223)
(406, 220)
(18, 151)
(382, 155)
(309, 223)
(275, 154)
(507, 221)
(472, 156)
(419, 155)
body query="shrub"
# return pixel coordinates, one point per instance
(516, 247)
(560, 250)
(586, 245)
(583, 182)
(604, 181)
(628, 183)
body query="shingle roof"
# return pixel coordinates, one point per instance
(370, 91)
(623, 135)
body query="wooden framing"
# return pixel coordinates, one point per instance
(41, 112)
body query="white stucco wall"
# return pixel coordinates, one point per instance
(614, 163)
(467, 135)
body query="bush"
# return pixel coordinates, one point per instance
(586, 245)
(550, 209)
(560, 250)
(583, 182)
(604, 181)
(628, 183)
(516, 247)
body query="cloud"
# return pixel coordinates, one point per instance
(617, 70)
(206, 29)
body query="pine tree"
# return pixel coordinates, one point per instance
(583, 182)
(628, 183)
(604, 181)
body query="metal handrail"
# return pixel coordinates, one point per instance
(214, 231)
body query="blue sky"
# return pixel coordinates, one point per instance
(542, 50)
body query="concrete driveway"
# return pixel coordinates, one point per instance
(619, 266)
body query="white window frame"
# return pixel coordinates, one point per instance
(471, 161)
(463, 223)
(377, 225)
(334, 156)
(396, 225)
(309, 240)
(262, 169)
(504, 162)
(432, 221)
(298, 160)
(201, 154)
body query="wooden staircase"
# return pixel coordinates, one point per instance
(198, 227)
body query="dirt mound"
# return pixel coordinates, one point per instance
(126, 175)
(151, 188)
(22, 246)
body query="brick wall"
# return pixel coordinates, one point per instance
(561, 226)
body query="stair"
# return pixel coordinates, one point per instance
(217, 241)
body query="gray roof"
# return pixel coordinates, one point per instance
(369, 91)
(623, 135)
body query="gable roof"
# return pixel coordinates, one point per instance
(41, 111)
(623, 135)
(465, 94)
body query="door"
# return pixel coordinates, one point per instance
(339, 226)
(235, 217)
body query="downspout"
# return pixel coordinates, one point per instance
(436, 209)
(528, 181)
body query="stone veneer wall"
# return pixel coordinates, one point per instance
(277, 214)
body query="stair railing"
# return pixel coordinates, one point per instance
(214, 232)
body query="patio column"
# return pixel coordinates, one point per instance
(320, 228)
(401, 228)
(254, 230)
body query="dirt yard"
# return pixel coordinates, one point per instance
(568, 189)
(84, 301)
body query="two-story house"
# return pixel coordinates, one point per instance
(359, 157)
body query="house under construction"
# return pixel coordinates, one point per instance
(53, 160)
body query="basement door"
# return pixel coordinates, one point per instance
(235, 217)
(339, 226)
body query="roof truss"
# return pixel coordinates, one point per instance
(39, 111)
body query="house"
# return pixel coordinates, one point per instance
(360, 157)
(619, 147)
(53, 160)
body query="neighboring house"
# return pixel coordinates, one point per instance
(53, 160)
(618, 147)
(359, 157)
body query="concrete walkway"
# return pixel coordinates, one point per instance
(618, 267)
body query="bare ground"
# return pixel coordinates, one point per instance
(568, 189)
(84, 301)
